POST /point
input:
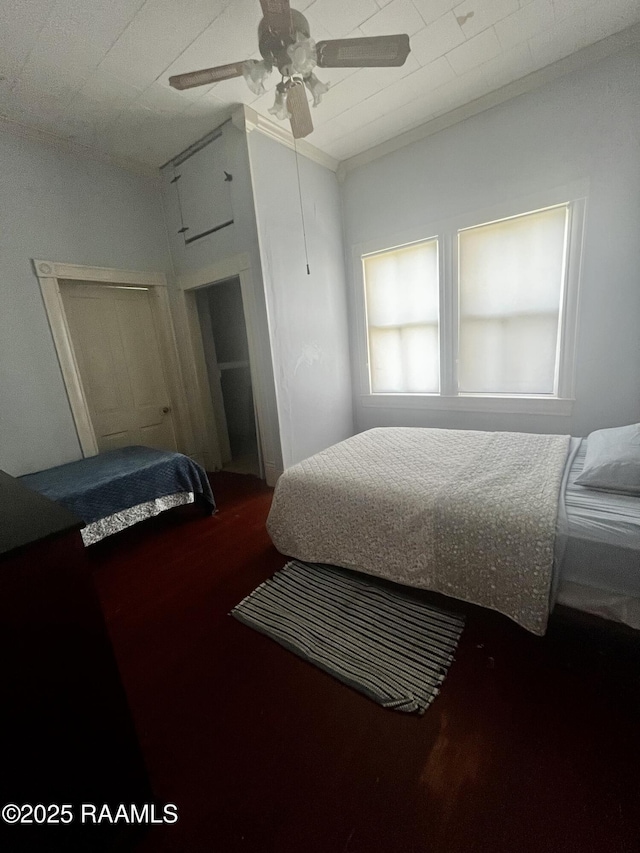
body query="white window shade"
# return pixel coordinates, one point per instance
(511, 279)
(401, 288)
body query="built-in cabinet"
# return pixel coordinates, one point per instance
(201, 182)
(211, 225)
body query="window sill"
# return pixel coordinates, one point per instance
(523, 405)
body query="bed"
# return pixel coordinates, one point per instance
(600, 568)
(495, 519)
(118, 488)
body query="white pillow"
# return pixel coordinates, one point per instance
(612, 460)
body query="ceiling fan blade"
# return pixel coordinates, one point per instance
(298, 106)
(367, 52)
(206, 76)
(277, 15)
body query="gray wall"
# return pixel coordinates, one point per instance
(55, 206)
(585, 126)
(307, 313)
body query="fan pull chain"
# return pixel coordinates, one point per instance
(304, 230)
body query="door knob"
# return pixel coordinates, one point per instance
(166, 410)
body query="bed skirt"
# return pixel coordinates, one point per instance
(98, 530)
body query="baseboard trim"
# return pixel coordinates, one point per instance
(271, 474)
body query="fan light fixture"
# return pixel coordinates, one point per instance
(285, 43)
(302, 59)
(255, 73)
(279, 108)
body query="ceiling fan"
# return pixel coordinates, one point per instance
(285, 42)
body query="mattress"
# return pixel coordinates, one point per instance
(600, 568)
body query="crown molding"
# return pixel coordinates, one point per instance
(69, 146)
(574, 62)
(248, 120)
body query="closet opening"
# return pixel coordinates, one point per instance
(226, 351)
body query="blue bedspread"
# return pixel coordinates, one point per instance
(110, 482)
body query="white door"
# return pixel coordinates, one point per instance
(116, 346)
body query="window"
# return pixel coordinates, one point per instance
(510, 279)
(402, 311)
(478, 311)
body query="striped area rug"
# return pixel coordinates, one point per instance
(386, 643)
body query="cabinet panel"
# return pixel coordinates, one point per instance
(203, 190)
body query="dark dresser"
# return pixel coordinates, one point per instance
(67, 735)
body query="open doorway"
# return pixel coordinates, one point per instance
(226, 351)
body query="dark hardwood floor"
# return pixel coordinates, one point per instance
(533, 744)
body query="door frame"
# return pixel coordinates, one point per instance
(211, 359)
(50, 274)
(236, 266)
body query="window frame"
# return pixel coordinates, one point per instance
(445, 231)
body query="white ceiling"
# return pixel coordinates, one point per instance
(96, 72)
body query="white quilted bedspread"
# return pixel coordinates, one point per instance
(468, 514)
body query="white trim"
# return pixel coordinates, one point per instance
(272, 468)
(448, 312)
(574, 62)
(445, 232)
(203, 413)
(570, 310)
(68, 364)
(161, 307)
(471, 403)
(226, 268)
(272, 474)
(248, 120)
(50, 274)
(99, 275)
